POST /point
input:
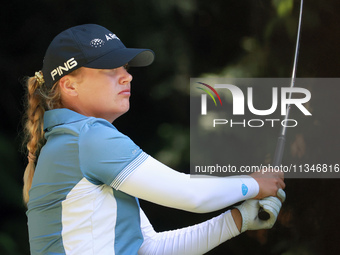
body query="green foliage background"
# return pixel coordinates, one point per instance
(191, 38)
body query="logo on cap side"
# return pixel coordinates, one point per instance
(97, 43)
(111, 37)
(68, 65)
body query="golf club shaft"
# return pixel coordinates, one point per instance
(263, 215)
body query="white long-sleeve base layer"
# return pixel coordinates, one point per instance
(157, 183)
(194, 240)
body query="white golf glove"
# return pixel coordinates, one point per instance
(249, 210)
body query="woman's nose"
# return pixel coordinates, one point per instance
(126, 77)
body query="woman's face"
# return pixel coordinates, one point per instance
(104, 93)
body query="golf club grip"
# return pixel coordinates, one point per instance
(262, 214)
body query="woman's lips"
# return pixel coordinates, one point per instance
(125, 92)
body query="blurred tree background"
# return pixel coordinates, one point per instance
(191, 38)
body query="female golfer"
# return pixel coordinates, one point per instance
(84, 177)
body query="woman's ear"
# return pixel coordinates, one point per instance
(68, 86)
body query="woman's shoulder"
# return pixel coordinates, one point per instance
(99, 128)
(100, 133)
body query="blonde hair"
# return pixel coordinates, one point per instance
(38, 100)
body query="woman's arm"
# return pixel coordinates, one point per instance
(157, 183)
(196, 239)
(203, 237)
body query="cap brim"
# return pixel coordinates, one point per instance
(120, 57)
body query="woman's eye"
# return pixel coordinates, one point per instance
(126, 66)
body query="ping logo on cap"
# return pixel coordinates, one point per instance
(68, 65)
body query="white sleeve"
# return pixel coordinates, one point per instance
(157, 183)
(197, 239)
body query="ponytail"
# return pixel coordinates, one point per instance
(37, 101)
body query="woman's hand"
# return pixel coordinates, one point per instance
(246, 215)
(269, 183)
